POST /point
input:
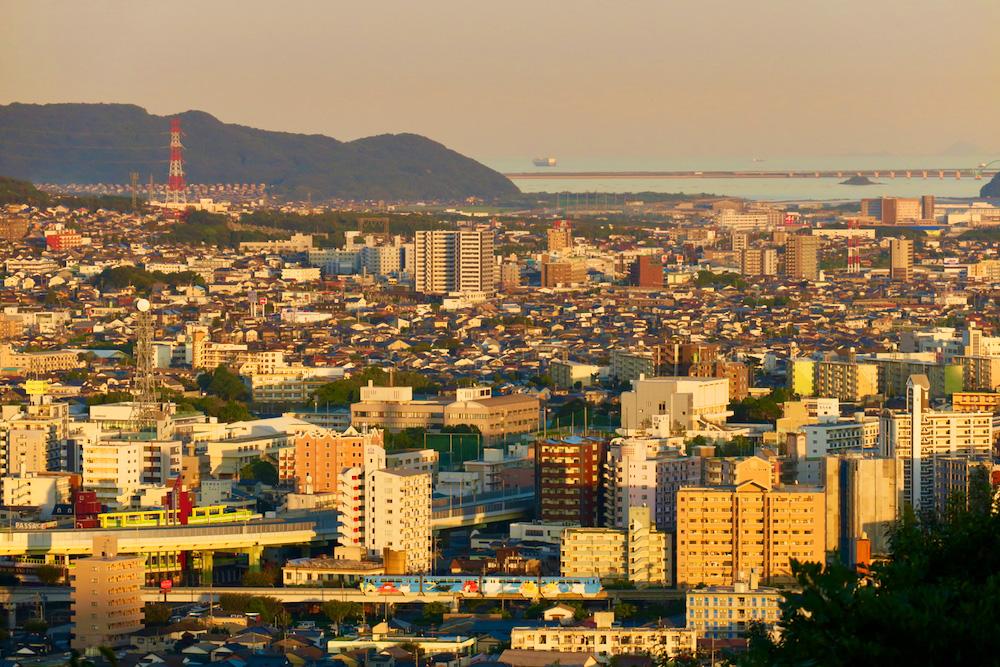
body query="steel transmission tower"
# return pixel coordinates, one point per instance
(176, 186)
(144, 382)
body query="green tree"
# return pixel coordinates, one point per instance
(337, 611)
(433, 612)
(156, 613)
(49, 575)
(36, 626)
(235, 603)
(223, 383)
(934, 602)
(260, 471)
(264, 577)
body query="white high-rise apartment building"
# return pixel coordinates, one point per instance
(113, 468)
(447, 261)
(920, 434)
(352, 487)
(398, 516)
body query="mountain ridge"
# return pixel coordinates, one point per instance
(95, 143)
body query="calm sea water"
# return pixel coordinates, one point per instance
(776, 189)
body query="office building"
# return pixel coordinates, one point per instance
(802, 257)
(498, 418)
(675, 404)
(901, 260)
(398, 516)
(566, 374)
(563, 271)
(606, 639)
(894, 210)
(454, 261)
(725, 532)
(639, 553)
(918, 435)
(107, 599)
(727, 612)
(646, 271)
(568, 479)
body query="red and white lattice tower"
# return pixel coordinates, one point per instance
(853, 251)
(176, 186)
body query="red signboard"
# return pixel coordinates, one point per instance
(166, 585)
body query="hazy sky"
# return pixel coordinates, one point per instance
(642, 79)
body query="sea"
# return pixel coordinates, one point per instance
(765, 189)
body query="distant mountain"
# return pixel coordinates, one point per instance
(991, 189)
(102, 143)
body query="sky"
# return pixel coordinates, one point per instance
(622, 80)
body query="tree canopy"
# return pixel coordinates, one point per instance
(936, 601)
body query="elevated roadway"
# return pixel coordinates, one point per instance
(298, 529)
(935, 172)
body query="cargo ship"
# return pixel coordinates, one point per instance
(545, 162)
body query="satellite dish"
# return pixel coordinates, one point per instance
(142, 305)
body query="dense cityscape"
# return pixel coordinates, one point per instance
(276, 400)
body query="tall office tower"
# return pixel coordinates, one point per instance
(560, 236)
(454, 261)
(568, 477)
(740, 241)
(802, 257)
(901, 260)
(927, 208)
(398, 516)
(919, 435)
(107, 597)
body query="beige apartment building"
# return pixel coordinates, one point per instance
(802, 257)
(848, 381)
(37, 362)
(723, 532)
(980, 373)
(607, 638)
(640, 554)
(447, 261)
(726, 612)
(901, 260)
(759, 262)
(107, 600)
(975, 401)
